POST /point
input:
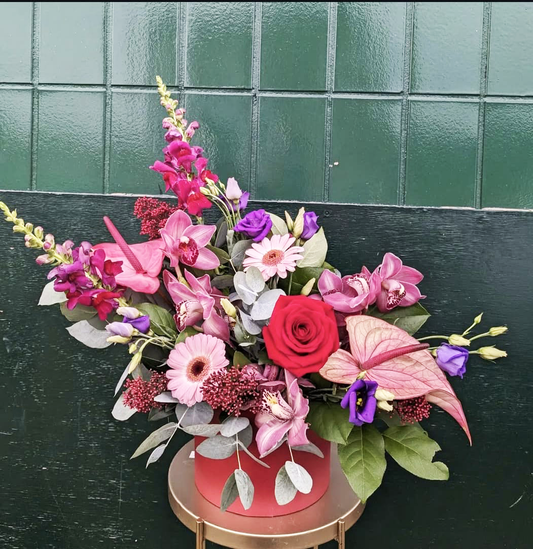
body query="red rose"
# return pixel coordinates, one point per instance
(302, 334)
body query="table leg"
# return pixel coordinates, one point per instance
(200, 540)
(341, 531)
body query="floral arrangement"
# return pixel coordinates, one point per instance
(239, 331)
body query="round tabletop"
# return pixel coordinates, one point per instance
(311, 527)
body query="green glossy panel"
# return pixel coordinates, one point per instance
(447, 47)
(224, 133)
(136, 142)
(294, 45)
(15, 139)
(219, 44)
(511, 43)
(366, 145)
(507, 159)
(15, 41)
(70, 155)
(144, 42)
(290, 164)
(72, 43)
(370, 46)
(442, 153)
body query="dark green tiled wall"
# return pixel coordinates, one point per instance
(418, 103)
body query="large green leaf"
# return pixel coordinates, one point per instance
(410, 319)
(363, 460)
(80, 312)
(330, 421)
(411, 447)
(315, 250)
(161, 320)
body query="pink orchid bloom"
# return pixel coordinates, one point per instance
(185, 243)
(284, 417)
(141, 263)
(350, 294)
(197, 302)
(398, 284)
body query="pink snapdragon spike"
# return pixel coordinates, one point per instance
(185, 243)
(283, 417)
(396, 361)
(141, 263)
(197, 302)
(398, 284)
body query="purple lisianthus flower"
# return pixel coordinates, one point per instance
(120, 329)
(256, 225)
(141, 323)
(361, 401)
(452, 359)
(310, 225)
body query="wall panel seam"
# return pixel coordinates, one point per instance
(256, 83)
(108, 78)
(35, 43)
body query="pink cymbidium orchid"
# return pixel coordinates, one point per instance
(141, 263)
(185, 243)
(398, 284)
(399, 364)
(282, 417)
(197, 301)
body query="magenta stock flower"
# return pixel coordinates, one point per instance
(185, 243)
(190, 198)
(398, 284)
(350, 294)
(197, 302)
(282, 417)
(104, 301)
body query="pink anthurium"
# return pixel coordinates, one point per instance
(284, 417)
(396, 361)
(141, 263)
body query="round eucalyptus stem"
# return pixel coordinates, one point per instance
(237, 450)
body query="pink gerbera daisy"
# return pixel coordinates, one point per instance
(274, 256)
(191, 363)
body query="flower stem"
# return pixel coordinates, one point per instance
(290, 451)
(486, 334)
(432, 337)
(237, 450)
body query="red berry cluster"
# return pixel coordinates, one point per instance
(413, 410)
(232, 391)
(140, 394)
(153, 214)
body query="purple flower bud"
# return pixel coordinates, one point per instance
(43, 259)
(233, 191)
(120, 329)
(452, 359)
(189, 132)
(47, 246)
(256, 225)
(310, 225)
(142, 323)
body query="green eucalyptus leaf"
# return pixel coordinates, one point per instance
(284, 489)
(363, 460)
(120, 411)
(412, 449)
(230, 492)
(245, 488)
(209, 430)
(86, 334)
(197, 414)
(315, 250)
(80, 312)
(156, 438)
(330, 421)
(217, 447)
(410, 319)
(50, 297)
(278, 225)
(156, 454)
(310, 448)
(161, 320)
(233, 425)
(238, 251)
(299, 477)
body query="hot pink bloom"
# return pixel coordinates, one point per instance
(274, 256)
(197, 302)
(283, 417)
(398, 284)
(185, 243)
(102, 300)
(350, 294)
(190, 197)
(191, 363)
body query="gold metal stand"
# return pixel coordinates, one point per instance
(327, 519)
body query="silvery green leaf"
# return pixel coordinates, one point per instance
(156, 415)
(120, 411)
(299, 477)
(246, 294)
(245, 488)
(141, 371)
(166, 398)
(284, 490)
(257, 460)
(229, 493)
(156, 454)
(86, 334)
(122, 378)
(221, 234)
(274, 448)
(262, 310)
(315, 250)
(237, 253)
(209, 430)
(50, 297)
(249, 325)
(230, 238)
(246, 436)
(222, 281)
(80, 312)
(198, 414)
(243, 338)
(255, 280)
(310, 448)
(155, 438)
(233, 425)
(278, 225)
(217, 447)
